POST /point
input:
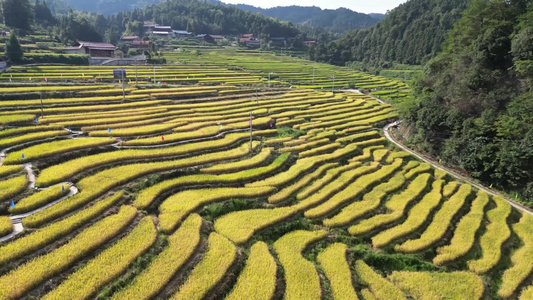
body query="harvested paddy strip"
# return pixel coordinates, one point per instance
(396, 207)
(175, 209)
(63, 171)
(521, 259)
(54, 148)
(465, 232)
(21, 280)
(31, 137)
(345, 188)
(220, 255)
(181, 246)
(370, 202)
(41, 237)
(497, 232)
(301, 277)
(333, 260)
(380, 287)
(440, 223)
(439, 285)
(258, 279)
(416, 218)
(87, 280)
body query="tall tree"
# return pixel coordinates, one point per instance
(18, 14)
(13, 49)
(43, 14)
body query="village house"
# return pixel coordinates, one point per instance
(93, 49)
(182, 34)
(128, 39)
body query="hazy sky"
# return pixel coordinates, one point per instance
(364, 6)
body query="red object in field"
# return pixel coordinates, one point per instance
(116, 139)
(466, 173)
(348, 128)
(418, 149)
(165, 82)
(162, 138)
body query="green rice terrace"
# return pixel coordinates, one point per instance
(236, 175)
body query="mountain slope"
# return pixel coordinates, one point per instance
(338, 20)
(412, 33)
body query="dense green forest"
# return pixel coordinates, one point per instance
(411, 33)
(338, 21)
(474, 107)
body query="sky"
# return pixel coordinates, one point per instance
(364, 6)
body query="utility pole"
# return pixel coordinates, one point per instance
(313, 74)
(136, 63)
(42, 110)
(123, 88)
(250, 131)
(154, 75)
(333, 86)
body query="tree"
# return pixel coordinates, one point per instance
(43, 14)
(18, 14)
(13, 49)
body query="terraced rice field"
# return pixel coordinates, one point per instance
(214, 190)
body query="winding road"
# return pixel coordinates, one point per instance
(451, 172)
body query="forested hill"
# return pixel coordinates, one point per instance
(411, 33)
(475, 106)
(205, 17)
(339, 20)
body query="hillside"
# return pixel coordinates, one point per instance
(339, 20)
(474, 108)
(411, 34)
